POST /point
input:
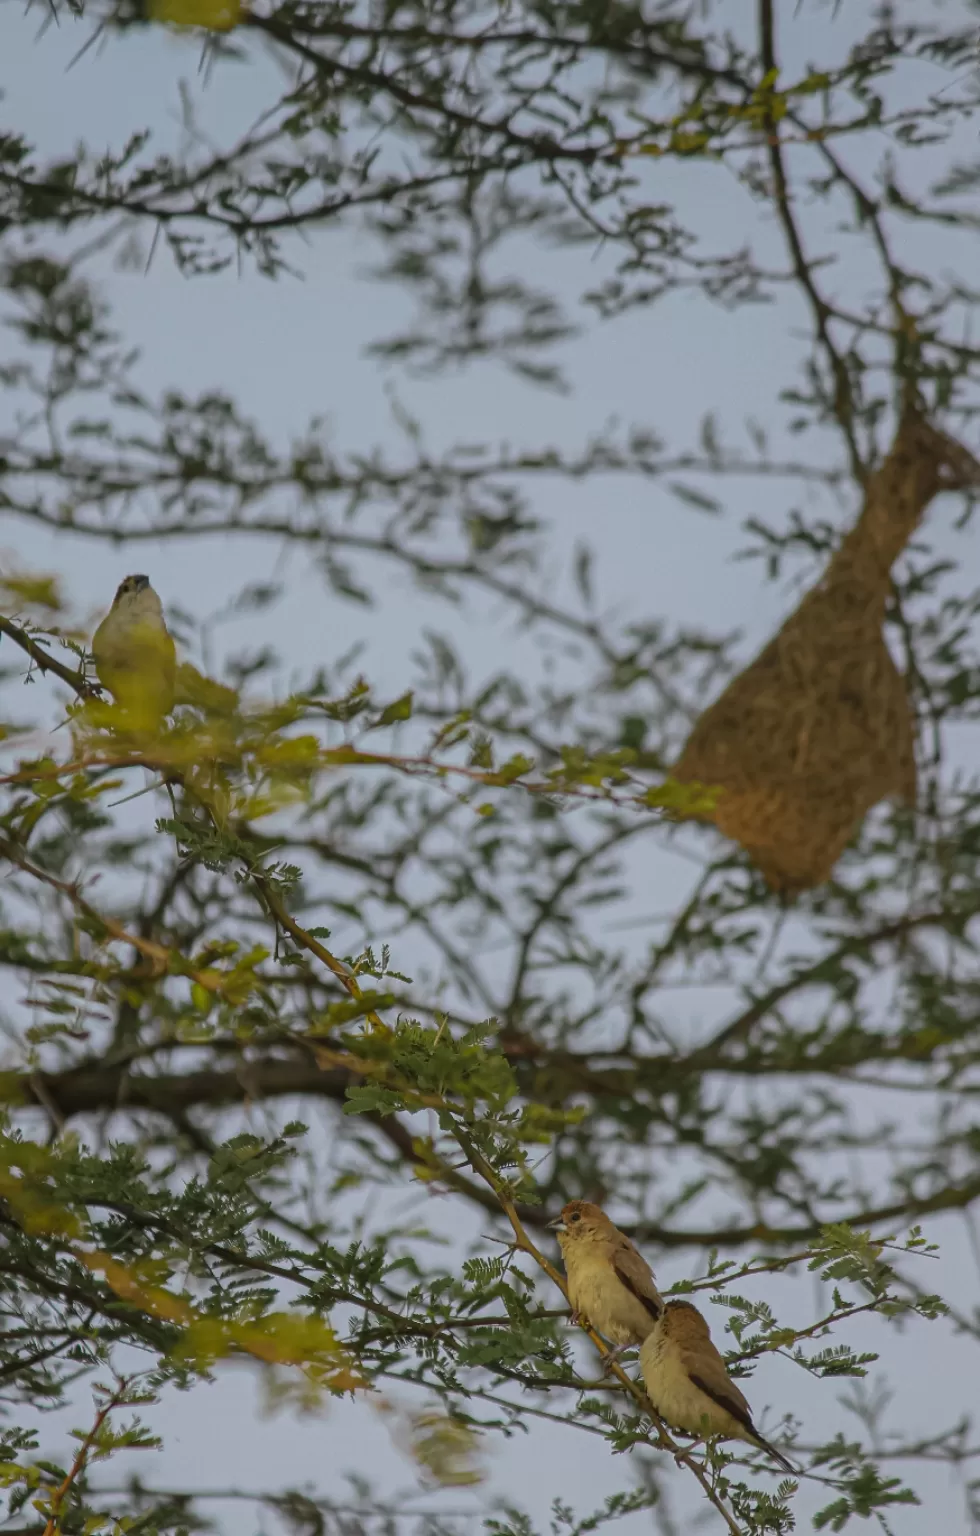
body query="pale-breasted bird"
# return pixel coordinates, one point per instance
(134, 652)
(609, 1281)
(688, 1384)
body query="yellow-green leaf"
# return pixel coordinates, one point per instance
(216, 15)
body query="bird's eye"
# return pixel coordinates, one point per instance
(576, 1217)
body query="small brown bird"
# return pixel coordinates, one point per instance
(609, 1282)
(688, 1384)
(134, 652)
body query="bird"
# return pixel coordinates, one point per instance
(688, 1384)
(609, 1282)
(134, 652)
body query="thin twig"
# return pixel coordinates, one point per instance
(45, 662)
(53, 1526)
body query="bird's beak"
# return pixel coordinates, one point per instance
(557, 1225)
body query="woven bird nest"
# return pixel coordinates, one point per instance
(818, 728)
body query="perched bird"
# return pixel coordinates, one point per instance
(609, 1282)
(135, 656)
(688, 1384)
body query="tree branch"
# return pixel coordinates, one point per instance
(45, 662)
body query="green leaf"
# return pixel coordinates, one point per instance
(399, 709)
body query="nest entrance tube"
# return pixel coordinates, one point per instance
(818, 728)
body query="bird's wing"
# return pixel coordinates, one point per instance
(715, 1382)
(707, 1370)
(637, 1276)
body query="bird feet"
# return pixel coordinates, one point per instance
(614, 1356)
(682, 1456)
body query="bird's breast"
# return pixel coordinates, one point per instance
(674, 1395)
(597, 1293)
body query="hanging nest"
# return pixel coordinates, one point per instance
(818, 728)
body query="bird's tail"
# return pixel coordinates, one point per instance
(776, 1455)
